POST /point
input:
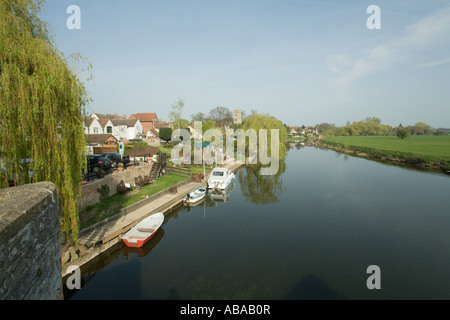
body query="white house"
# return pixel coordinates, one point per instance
(107, 125)
(126, 129)
(92, 126)
(97, 126)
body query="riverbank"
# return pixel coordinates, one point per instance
(103, 235)
(387, 153)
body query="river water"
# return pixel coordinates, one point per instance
(309, 232)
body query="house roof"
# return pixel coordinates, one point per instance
(153, 131)
(103, 122)
(163, 124)
(105, 116)
(124, 122)
(99, 138)
(142, 151)
(88, 121)
(144, 117)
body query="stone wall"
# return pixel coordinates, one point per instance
(30, 250)
(89, 194)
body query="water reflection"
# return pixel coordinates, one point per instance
(106, 260)
(261, 189)
(336, 218)
(218, 195)
(311, 287)
(146, 248)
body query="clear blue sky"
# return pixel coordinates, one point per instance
(302, 61)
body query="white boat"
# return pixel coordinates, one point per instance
(220, 178)
(195, 196)
(217, 195)
(144, 230)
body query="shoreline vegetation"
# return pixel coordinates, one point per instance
(421, 152)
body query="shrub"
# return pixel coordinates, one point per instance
(104, 192)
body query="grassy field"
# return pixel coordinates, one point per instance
(428, 147)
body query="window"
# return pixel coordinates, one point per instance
(109, 129)
(95, 130)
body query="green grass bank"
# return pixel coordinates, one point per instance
(421, 151)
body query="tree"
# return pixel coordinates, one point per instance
(221, 116)
(206, 125)
(42, 102)
(199, 116)
(373, 119)
(423, 128)
(165, 134)
(324, 127)
(402, 133)
(258, 121)
(175, 114)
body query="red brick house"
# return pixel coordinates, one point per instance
(148, 120)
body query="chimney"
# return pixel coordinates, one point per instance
(124, 116)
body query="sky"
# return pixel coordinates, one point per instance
(304, 62)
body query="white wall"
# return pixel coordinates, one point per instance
(94, 128)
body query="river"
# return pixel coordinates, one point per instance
(309, 232)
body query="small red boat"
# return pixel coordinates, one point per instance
(141, 233)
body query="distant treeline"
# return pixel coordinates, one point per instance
(372, 126)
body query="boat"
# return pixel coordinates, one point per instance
(195, 196)
(217, 195)
(141, 233)
(220, 178)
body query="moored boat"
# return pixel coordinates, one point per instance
(195, 196)
(220, 178)
(143, 231)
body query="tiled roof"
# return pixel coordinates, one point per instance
(103, 122)
(144, 117)
(106, 116)
(124, 122)
(88, 121)
(142, 151)
(98, 138)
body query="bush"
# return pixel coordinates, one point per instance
(402, 133)
(104, 192)
(165, 134)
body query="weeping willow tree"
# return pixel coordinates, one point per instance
(41, 106)
(260, 121)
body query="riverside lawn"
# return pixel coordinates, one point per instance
(419, 151)
(433, 147)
